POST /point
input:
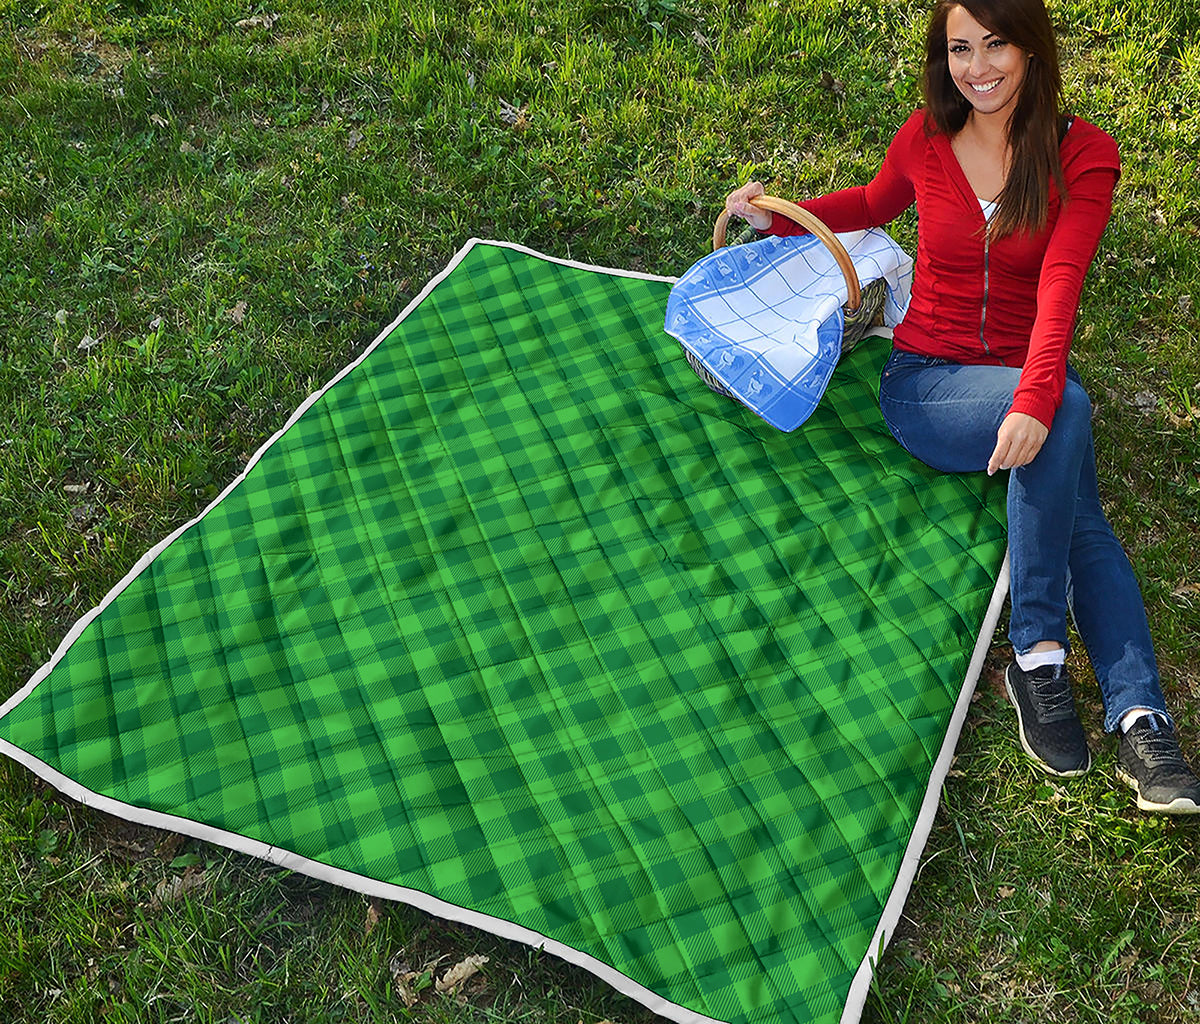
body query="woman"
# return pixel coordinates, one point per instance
(1012, 198)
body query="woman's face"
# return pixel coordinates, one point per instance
(987, 69)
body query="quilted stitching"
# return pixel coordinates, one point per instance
(520, 615)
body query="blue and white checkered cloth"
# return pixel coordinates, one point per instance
(766, 318)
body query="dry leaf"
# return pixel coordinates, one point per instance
(88, 342)
(238, 313)
(460, 972)
(514, 116)
(1146, 401)
(171, 889)
(169, 846)
(158, 120)
(405, 990)
(403, 976)
(373, 915)
(831, 84)
(1005, 891)
(257, 21)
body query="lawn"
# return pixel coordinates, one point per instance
(207, 209)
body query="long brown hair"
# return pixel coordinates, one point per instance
(1035, 125)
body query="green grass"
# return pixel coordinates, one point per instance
(201, 223)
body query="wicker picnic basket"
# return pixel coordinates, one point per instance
(863, 307)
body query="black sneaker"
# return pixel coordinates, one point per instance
(1050, 729)
(1149, 760)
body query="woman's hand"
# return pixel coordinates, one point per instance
(737, 203)
(1018, 441)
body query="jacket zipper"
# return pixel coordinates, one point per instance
(983, 308)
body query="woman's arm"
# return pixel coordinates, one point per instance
(1072, 247)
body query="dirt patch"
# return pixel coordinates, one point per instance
(83, 56)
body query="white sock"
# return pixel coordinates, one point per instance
(1130, 717)
(1036, 659)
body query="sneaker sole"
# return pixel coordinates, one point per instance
(1073, 773)
(1180, 805)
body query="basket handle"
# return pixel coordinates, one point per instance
(806, 220)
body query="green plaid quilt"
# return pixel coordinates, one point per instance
(517, 621)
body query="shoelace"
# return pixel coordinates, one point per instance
(1158, 749)
(1053, 695)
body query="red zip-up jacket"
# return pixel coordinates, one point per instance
(1010, 301)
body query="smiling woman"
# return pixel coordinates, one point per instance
(1012, 198)
(997, 89)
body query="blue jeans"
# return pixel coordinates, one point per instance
(1062, 549)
